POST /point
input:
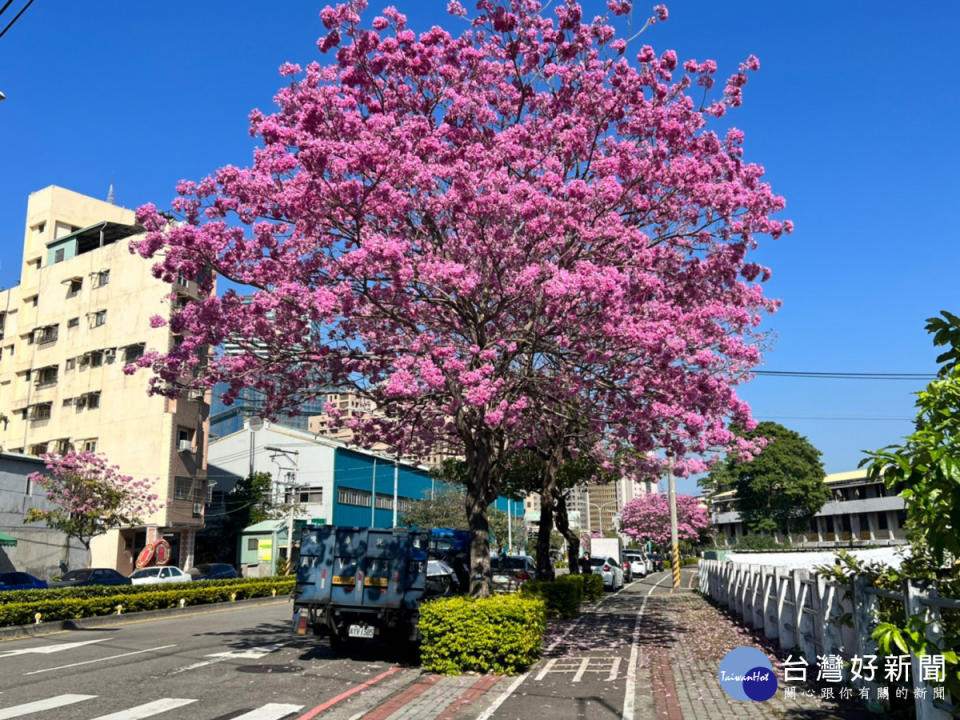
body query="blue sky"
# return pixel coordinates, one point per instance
(852, 114)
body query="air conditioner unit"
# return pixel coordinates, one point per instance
(81, 401)
(197, 509)
(195, 395)
(185, 445)
(83, 359)
(110, 354)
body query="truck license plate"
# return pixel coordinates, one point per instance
(360, 631)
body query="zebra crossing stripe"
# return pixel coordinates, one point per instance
(148, 709)
(42, 705)
(270, 711)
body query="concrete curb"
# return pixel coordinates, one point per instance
(17, 632)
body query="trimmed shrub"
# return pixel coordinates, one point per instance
(501, 634)
(561, 598)
(592, 585)
(148, 597)
(94, 591)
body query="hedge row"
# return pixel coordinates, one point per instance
(94, 591)
(591, 585)
(561, 599)
(501, 634)
(149, 598)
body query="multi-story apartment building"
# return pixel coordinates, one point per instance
(80, 314)
(862, 511)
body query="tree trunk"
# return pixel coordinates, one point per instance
(481, 490)
(547, 495)
(544, 566)
(571, 536)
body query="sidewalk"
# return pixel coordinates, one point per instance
(684, 639)
(614, 662)
(608, 665)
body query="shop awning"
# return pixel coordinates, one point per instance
(7, 540)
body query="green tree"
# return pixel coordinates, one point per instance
(447, 507)
(781, 488)
(926, 467)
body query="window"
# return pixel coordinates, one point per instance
(182, 487)
(70, 364)
(63, 446)
(350, 496)
(93, 400)
(58, 255)
(67, 402)
(312, 495)
(38, 449)
(73, 322)
(74, 288)
(40, 411)
(90, 445)
(882, 521)
(39, 228)
(101, 278)
(35, 263)
(253, 543)
(46, 334)
(185, 438)
(132, 353)
(96, 358)
(47, 376)
(97, 318)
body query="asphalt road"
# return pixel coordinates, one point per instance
(238, 662)
(243, 663)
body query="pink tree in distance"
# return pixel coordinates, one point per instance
(90, 497)
(466, 227)
(647, 517)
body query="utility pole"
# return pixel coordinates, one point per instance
(373, 495)
(509, 527)
(674, 539)
(396, 482)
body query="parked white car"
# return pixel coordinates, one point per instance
(156, 575)
(609, 569)
(638, 565)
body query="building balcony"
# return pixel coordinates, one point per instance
(864, 505)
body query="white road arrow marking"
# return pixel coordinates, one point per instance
(48, 649)
(254, 653)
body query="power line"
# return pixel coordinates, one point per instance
(15, 17)
(7, 4)
(844, 375)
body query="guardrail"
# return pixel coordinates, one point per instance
(802, 610)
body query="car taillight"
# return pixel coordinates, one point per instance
(523, 576)
(302, 623)
(606, 568)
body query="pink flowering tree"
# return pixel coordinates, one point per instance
(483, 231)
(647, 517)
(90, 497)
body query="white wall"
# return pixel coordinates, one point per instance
(310, 459)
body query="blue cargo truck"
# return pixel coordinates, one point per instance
(357, 583)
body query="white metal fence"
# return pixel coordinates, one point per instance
(802, 610)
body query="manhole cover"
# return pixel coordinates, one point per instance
(270, 668)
